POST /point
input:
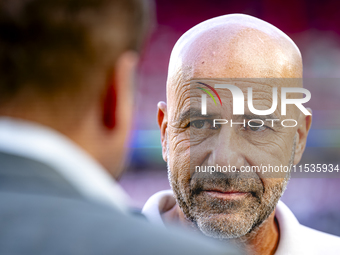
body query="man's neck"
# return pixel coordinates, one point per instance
(264, 240)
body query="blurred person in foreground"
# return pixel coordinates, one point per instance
(231, 206)
(66, 95)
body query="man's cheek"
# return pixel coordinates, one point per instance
(281, 146)
(198, 156)
(180, 160)
(277, 148)
(267, 161)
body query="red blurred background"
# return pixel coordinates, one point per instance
(315, 27)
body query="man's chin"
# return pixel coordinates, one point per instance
(224, 226)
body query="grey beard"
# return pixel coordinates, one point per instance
(250, 218)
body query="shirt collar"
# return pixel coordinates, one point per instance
(291, 241)
(46, 145)
(155, 206)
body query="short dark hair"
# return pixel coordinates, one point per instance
(50, 48)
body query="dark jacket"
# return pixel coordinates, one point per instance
(41, 213)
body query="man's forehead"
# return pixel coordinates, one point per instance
(259, 86)
(246, 53)
(236, 49)
(262, 92)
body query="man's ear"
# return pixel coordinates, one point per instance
(110, 105)
(302, 133)
(119, 90)
(162, 119)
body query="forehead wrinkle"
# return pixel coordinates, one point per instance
(263, 95)
(180, 94)
(271, 82)
(261, 103)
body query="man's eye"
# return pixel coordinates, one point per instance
(197, 124)
(255, 126)
(202, 124)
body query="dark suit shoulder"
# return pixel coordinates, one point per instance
(34, 224)
(41, 213)
(23, 175)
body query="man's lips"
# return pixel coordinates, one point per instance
(230, 194)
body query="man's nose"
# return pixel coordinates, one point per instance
(228, 149)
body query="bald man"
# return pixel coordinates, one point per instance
(246, 53)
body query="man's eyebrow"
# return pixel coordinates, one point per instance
(260, 117)
(263, 118)
(193, 113)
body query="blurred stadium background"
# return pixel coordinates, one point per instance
(315, 27)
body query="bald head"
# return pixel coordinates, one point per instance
(257, 59)
(234, 46)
